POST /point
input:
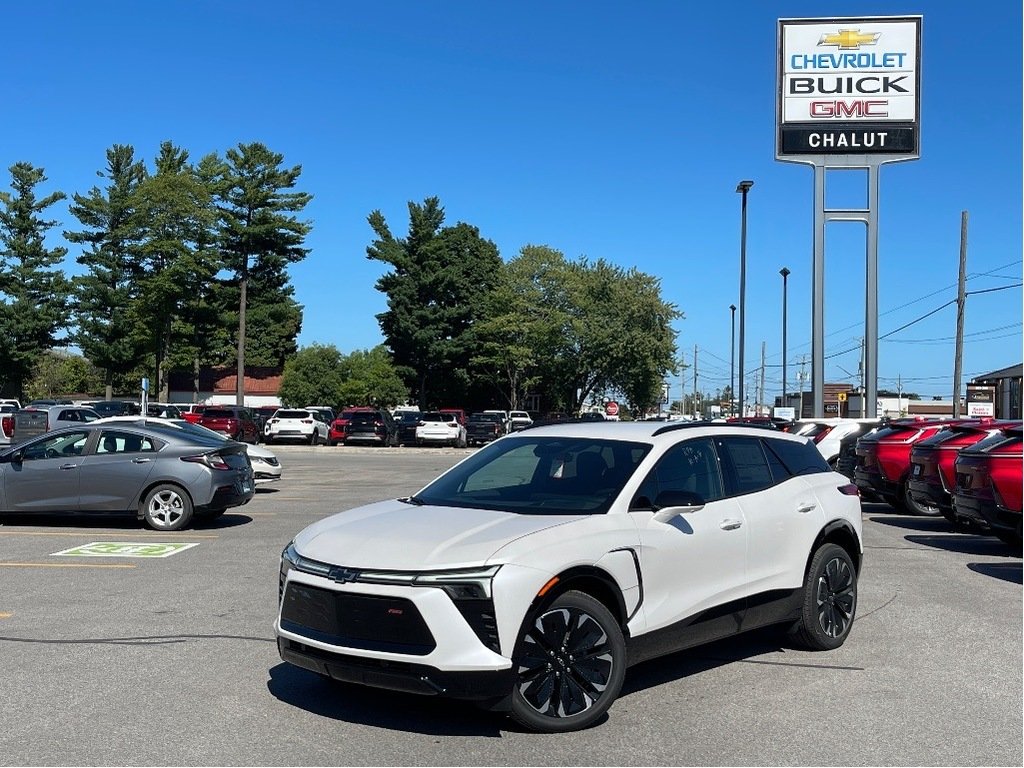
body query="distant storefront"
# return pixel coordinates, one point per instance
(999, 390)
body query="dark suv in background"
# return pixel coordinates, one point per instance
(376, 427)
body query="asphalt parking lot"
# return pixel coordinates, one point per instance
(171, 660)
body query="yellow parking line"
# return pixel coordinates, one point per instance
(64, 565)
(80, 534)
(6, 614)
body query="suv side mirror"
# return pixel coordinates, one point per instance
(668, 504)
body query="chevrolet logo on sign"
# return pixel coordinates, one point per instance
(850, 39)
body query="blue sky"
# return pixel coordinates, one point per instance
(610, 130)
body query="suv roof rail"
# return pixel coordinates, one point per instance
(708, 423)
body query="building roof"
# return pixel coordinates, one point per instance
(1013, 372)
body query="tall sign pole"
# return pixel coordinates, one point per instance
(849, 98)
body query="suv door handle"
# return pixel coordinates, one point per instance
(730, 525)
(141, 460)
(807, 506)
(68, 466)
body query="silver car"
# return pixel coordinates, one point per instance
(161, 474)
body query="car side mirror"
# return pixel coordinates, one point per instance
(669, 504)
(15, 457)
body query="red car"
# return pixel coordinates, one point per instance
(336, 434)
(988, 484)
(193, 413)
(883, 461)
(231, 420)
(932, 476)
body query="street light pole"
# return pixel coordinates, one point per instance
(732, 363)
(743, 187)
(785, 273)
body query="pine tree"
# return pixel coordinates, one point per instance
(34, 292)
(104, 295)
(261, 236)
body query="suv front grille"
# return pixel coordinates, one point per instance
(369, 622)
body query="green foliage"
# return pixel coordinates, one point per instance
(34, 293)
(105, 325)
(260, 236)
(59, 373)
(313, 376)
(320, 374)
(172, 217)
(370, 378)
(437, 293)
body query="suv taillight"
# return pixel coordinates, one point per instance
(7, 425)
(849, 490)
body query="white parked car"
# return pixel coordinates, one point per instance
(533, 573)
(294, 424)
(266, 467)
(829, 435)
(436, 428)
(519, 420)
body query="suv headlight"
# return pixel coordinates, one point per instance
(460, 584)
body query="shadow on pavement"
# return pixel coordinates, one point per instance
(380, 708)
(735, 650)
(968, 544)
(1012, 572)
(914, 523)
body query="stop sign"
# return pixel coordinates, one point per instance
(612, 408)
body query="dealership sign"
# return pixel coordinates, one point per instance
(849, 86)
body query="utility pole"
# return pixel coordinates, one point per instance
(694, 382)
(961, 300)
(760, 392)
(682, 383)
(803, 362)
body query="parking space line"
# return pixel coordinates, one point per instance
(66, 565)
(6, 614)
(122, 534)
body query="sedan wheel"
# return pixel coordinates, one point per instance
(167, 508)
(570, 662)
(830, 600)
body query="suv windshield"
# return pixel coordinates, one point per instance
(539, 476)
(293, 415)
(218, 413)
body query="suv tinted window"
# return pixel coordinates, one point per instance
(798, 458)
(688, 466)
(744, 464)
(219, 413)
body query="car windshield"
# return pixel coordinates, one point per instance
(410, 417)
(293, 415)
(434, 416)
(486, 417)
(111, 407)
(218, 413)
(364, 417)
(539, 476)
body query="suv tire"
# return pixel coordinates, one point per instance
(830, 600)
(570, 660)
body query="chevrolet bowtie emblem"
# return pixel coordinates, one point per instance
(850, 39)
(343, 575)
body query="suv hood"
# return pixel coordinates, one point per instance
(392, 535)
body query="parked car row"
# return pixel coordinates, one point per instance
(968, 470)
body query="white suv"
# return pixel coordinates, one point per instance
(532, 573)
(296, 424)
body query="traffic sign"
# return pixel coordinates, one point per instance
(611, 408)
